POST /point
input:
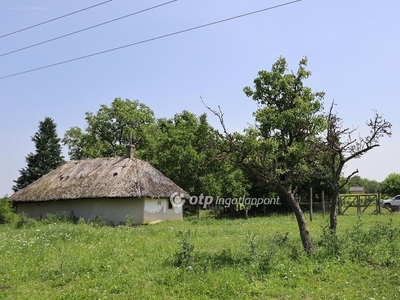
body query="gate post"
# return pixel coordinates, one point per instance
(378, 202)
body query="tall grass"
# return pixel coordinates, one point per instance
(258, 258)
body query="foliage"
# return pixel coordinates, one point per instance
(98, 222)
(23, 221)
(279, 149)
(59, 218)
(6, 212)
(288, 120)
(378, 244)
(129, 221)
(46, 158)
(180, 148)
(108, 131)
(391, 185)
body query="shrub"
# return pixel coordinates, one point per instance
(99, 222)
(6, 212)
(60, 218)
(24, 222)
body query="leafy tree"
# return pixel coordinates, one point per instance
(180, 148)
(340, 147)
(278, 150)
(371, 186)
(108, 131)
(391, 185)
(46, 158)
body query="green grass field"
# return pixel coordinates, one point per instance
(258, 258)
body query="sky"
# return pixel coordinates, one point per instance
(352, 48)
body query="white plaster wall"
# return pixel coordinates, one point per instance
(158, 209)
(111, 210)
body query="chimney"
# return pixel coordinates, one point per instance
(130, 151)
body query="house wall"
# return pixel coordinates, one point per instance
(111, 210)
(160, 209)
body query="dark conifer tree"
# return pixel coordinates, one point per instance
(46, 158)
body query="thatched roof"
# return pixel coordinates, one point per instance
(99, 178)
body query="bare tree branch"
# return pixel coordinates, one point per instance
(341, 147)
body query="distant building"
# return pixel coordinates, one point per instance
(356, 190)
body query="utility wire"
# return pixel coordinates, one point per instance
(151, 39)
(87, 28)
(3, 190)
(60, 17)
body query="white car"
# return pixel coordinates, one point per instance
(395, 201)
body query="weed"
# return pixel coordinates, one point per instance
(129, 221)
(185, 256)
(329, 243)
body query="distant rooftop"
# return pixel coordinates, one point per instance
(356, 189)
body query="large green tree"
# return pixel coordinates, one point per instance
(278, 150)
(46, 158)
(108, 131)
(180, 148)
(391, 185)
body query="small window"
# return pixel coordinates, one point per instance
(169, 205)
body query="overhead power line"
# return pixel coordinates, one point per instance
(51, 20)
(87, 28)
(3, 190)
(151, 39)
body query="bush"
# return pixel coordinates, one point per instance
(24, 221)
(60, 218)
(99, 222)
(6, 212)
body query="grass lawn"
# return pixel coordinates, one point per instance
(258, 258)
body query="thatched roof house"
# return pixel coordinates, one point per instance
(110, 188)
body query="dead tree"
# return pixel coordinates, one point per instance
(340, 146)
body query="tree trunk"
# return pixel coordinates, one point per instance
(333, 216)
(304, 233)
(301, 222)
